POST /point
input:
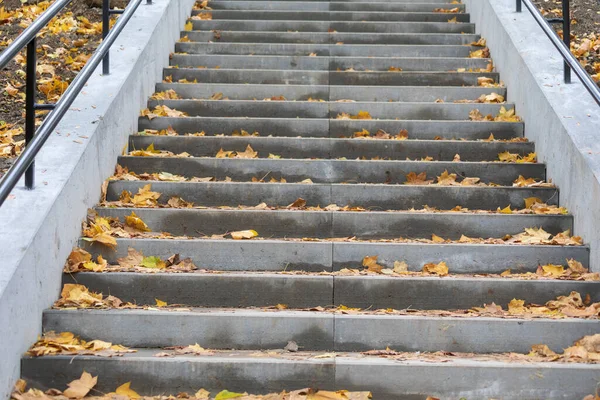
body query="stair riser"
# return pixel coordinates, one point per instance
(329, 171)
(439, 294)
(304, 77)
(331, 38)
(339, 26)
(208, 146)
(254, 330)
(347, 50)
(334, 15)
(331, 6)
(280, 127)
(242, 330)
(408, 78)
(430, 129)
(291, 109)
(272, 255)
(323, 224)
(302, 93)
(325, 63)
(212, 290)
(304, 291)
(375, 197)
(287, 77)
(386, 379)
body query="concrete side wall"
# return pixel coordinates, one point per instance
(563, 120)
(39, 228)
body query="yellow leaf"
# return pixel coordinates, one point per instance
(189, 26)
(202, 394)
(226, 394)
(505, 210)
(529, 201)
(160, 303)
(436, 239)
(125, 390)
(553, 270)
(104, 238)
(446, 179)
(517, 307)
(80, 387)
(136, 222)
(440, 269)
(249, 234)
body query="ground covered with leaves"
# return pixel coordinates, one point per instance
(64, 46)
(585, 30)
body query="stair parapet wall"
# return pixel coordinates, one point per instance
(39, 228)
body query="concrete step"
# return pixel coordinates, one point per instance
(335, 15)
(330, 37)
(339, 26)
(342, 50)
(327, 224)
(336, 128)
(331, 6)
(329, 171)
(453, 377)
(311, 77)
(251, 329)
(316, 256)
(297, 148)
(338, 64)
(426, 94)
(247, 289)
(255, 76)
(312, 109)
(372, 197)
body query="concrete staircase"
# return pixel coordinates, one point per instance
(303, 50)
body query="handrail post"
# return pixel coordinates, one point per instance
(30, 95)
(105, 29)
(519, 6)
(567, 36)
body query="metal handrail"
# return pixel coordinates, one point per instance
(24, 164)
(570, 62)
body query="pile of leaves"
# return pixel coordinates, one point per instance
(52, 343)
(64, 47)
(83, 387)
(81, 261)
(584, 350)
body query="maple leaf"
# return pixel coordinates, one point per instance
(81, 387)
(440, 269)
(133, 258)
(136, 222)
(370, 263)
(125, 390)
(145, 197)
(413, 179)
(446, 179)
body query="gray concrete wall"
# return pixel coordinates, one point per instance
(38, 228)
(563, 120)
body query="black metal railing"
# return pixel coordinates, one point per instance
(34, 140)
(564, 47)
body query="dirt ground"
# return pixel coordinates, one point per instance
(585, 29)
(62, 52)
